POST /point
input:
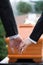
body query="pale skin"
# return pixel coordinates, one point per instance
(19, 44)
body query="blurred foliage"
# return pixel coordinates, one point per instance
(23, 7)
(3, 49)
(39, 6)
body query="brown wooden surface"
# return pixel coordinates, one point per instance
(33, 51)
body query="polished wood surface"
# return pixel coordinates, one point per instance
(33, 51)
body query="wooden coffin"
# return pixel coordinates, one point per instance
(33, 51)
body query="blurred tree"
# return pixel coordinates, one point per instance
(3, 49)
(23, 7)
(39, 6)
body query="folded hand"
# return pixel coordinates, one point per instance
(24, 45)
(15, 42)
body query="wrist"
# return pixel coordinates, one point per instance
(31, 40)
(14, 36)
(28, 41)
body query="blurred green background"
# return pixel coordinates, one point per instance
(3, 48)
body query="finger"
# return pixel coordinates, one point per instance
(12, 49)
(22, 48)
(21, 45)
(11, 46)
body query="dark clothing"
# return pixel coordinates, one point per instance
(7, 18)
(38, 29)
(9, 23)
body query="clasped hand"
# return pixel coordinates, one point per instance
(19, 44)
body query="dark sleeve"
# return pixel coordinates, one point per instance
(7, 18)
(38, 29)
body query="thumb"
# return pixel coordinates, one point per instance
(12, 49)
(11, 45)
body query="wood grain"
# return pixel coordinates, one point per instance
(33, 51)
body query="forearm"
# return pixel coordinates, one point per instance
(37, 31)
(8, 19)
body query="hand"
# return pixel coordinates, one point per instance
(15, 42)
(24, 45)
